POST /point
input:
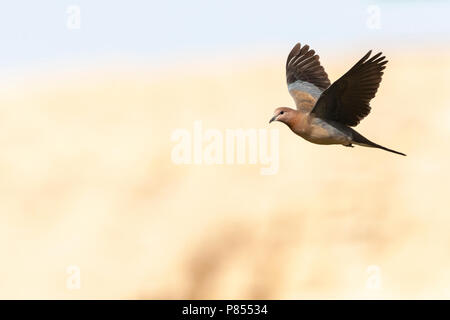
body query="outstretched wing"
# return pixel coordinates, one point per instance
(347, 99)
(305, 77)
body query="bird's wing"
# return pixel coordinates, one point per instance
(305, 77)
(347, 99)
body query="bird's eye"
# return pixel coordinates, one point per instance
(281, 112)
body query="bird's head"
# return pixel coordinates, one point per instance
(283, 114)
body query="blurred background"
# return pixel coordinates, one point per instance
(92, 205)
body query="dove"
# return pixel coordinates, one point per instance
(325, 113)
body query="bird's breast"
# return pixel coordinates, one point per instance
(320, 131)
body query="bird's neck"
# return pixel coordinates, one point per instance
(299, 122)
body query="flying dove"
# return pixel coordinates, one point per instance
(326, 112)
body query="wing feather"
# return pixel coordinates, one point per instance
(347, 100)
(306, 78)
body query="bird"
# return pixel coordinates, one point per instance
(326, 112)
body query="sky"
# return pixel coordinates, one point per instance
(36, 33)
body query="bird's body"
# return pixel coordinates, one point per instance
(326, 112)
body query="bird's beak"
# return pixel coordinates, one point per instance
(273, 119)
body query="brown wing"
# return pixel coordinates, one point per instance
(347, 99)
(305, 77)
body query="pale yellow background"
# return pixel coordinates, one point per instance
(87, 180)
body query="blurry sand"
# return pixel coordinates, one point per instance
(87, 180)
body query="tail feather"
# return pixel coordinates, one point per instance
(359, 139)
(387, 149)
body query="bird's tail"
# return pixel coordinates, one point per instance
(363, 141)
